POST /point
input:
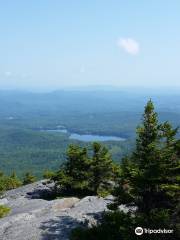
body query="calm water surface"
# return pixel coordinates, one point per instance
(92, 138)
(87, 137)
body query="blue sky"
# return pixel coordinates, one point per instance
(50, 44)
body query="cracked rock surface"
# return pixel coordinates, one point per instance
(33, 218)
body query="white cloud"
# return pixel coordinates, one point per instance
(129, 45)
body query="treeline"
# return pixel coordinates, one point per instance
(12, 181)
(86, 174)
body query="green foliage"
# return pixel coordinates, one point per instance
(73, 177)
(149, 186)
(48, 174)
(153, 170)
(28, 178)
(149, 178)
(25, 149)
(15, 181)
(9, 182)
(84, 174)
(102, 170)
(4, 211)
(113, 226)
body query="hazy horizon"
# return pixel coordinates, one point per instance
(170, 90)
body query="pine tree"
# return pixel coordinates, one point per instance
(149, 178)
(73, 176)
(103, 170)
(86, 175)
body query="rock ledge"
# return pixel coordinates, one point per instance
(33, 218)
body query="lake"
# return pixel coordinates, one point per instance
(86, 137)
(92, 137)
(55, 130)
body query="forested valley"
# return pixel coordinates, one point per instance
(25, 118)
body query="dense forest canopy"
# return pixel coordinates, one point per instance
(102, 112)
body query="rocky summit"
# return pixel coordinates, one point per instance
(34, 218)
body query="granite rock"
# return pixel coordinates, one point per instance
(34, 218)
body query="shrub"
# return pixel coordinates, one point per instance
(28, 178)
(4, 211)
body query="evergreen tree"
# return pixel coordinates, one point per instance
(86, 175)
(73, 176)
(149, 179)
(103, 170)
